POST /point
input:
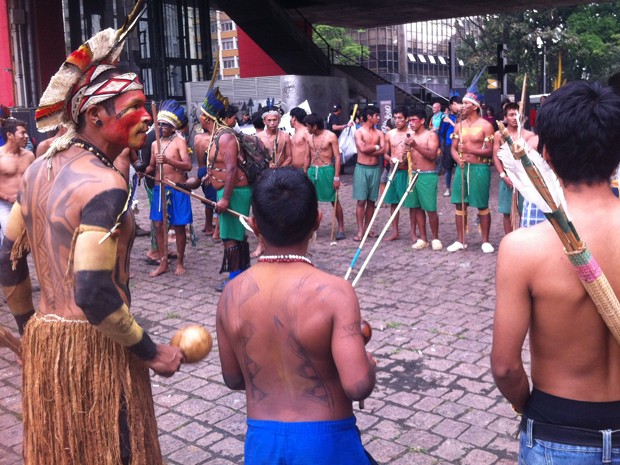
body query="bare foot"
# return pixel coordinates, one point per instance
(152, 254)
(161, 269)
(393, 237)
(179, 270)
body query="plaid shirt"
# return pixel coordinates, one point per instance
(531, 215)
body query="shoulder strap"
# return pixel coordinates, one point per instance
(216, 141)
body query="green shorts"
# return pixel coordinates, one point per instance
(230, 226)
(477, 185)
(366, 180)
(397, 188)
(323, 179)
(504, 196)
(424, 193)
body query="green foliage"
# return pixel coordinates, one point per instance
(587, 37)
(348, 51)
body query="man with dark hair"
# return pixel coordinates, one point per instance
(572, 414)
(231, 183)
(370, 144)
(245, 119)
(324, 165)
(277, 141)
(506, 188)
(85, 357)
(300, 360)
(473, 155)
(424, 145)
(300, 148)
(14, 159)
(445, 139)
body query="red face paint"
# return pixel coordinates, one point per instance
(128, 127)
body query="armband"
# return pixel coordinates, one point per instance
(336, 178)
(489, 138)
(377, 148)
(454, 136)
(502, 174)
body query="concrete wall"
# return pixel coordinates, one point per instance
(320, 91)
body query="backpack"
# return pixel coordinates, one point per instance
(252, 156)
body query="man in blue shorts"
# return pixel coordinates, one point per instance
(289, 335)
(175, 163)
(572, 414)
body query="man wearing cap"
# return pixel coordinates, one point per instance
(86, 389)
(231, 183)
(334, 120)
(473, 154)
(174, 161)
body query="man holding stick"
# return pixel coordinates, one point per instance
(472, 152)
(572, 414)
(324, 166)
(301, 360)
(231, 183)
(172, 158)
(86, 389)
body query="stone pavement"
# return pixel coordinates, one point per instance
(432, 312)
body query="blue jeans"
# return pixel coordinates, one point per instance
(539, 452)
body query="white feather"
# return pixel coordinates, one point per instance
(520, 179)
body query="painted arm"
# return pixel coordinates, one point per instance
(231, 369)
(356, 367)
(16, 283)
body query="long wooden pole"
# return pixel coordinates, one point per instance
(204, 200)
(163, 207)
(386, 227)
(11, 342)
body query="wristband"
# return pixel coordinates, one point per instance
(502, 174)
(377, 147)
(336, 178)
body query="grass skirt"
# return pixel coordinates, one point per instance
(76, 384)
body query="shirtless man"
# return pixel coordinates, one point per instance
(14, 159)
(300, 148)
(201, 146)
(289, 335)
(504, 204)
(85, 358)
(277, 141)
(370, 144)
(175, 162)
(396, 149)
(473, 153)
(324, 164)
(423, 198)
(575, 361)
(231, 184)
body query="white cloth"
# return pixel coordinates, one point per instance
(5, 210)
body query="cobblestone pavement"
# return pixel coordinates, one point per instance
(435, 401)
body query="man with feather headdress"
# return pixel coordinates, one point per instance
(86, 389)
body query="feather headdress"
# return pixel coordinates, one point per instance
(172, 113)
(215, 104)
(69, 92)
(272, 108)
(473, 95)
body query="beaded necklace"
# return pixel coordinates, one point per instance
(288, 258)
(96, 152)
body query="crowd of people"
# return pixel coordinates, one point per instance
(302, 361)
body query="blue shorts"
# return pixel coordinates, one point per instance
(307, 443)
(179, 207)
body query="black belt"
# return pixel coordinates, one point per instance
(569, 434)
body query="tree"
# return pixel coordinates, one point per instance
(336, 38)
(587, 37)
